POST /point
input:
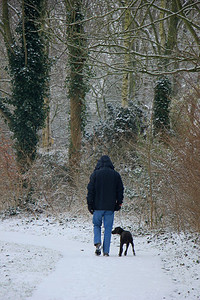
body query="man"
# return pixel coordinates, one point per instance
(105, 195)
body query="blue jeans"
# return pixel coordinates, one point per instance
(108, 217)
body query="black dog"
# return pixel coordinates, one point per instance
(125, 238)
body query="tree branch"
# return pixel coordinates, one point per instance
(6, 28)
(188, 23)
(23, 34)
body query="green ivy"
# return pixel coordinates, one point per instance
(161, 119)
(29, 84)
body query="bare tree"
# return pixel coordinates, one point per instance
(77, 55)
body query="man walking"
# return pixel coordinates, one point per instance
(105, 195)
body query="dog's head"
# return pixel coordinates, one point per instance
(117, 230)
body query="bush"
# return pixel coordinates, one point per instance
(175, 168)
(184, 165)
(120, 122)
(10, 180)
(119, 129)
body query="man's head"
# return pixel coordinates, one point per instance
(105, 161)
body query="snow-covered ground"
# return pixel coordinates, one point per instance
(52, 258)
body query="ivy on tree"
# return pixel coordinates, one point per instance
(161, 119)
(28, 66)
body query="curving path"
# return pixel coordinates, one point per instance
(79, 274)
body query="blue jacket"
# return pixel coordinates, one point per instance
(105, 189)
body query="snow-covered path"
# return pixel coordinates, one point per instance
(79, 274)
(51, 261)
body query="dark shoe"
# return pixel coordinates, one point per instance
(105, 254)
(98, 249)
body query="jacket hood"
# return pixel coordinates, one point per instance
(104, 161)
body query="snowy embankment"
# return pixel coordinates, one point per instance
(48, 259)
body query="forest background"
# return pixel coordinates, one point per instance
(83, 78)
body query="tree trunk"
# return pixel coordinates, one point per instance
(75, 130)
(77, 51)
(28, 66)
(126, 75)
(47, 141)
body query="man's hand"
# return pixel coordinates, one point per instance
(118, 207)
(90, 208)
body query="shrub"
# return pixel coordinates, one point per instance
(120, 126)
(10, 181)
(175, 168)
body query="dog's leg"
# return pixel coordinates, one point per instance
(127, 245)
(121, 249)
(133, 248)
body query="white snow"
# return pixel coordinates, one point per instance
(49, 259)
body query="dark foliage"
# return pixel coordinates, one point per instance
(29, 71)
(120, 122)
(161, 120)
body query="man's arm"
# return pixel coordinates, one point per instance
(91, 193)
(120, 190)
